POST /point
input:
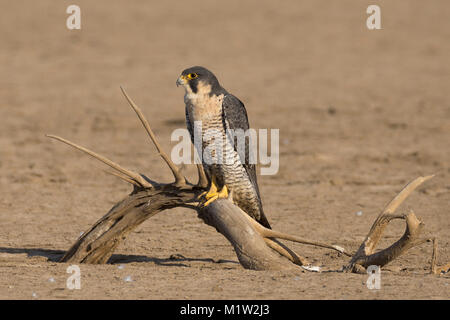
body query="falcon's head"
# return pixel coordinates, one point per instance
(199, 80)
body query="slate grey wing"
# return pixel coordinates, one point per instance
(235, 117)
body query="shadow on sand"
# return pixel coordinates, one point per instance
(173, 261)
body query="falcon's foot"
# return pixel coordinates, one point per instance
(222, 194)
(213, 193)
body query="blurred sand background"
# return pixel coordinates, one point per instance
(360, 112)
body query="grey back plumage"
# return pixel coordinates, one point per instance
(235, 117)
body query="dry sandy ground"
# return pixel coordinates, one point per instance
(360, 114)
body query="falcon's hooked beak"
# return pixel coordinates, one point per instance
(181, 81)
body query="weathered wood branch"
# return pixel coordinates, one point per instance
(98, 243)
(137, 179)
(250, 247)
(180, 180)
(366, 255)
(435, 269)
(409, 239)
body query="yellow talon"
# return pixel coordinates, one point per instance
(211, 192)
(213, 189)
(223, 193)
(201, 195)
(211, 200)
(213, 195)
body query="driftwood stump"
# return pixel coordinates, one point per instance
(256, 247)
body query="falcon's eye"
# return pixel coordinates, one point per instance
(192, 76)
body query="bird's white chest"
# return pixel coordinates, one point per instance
(203, 107)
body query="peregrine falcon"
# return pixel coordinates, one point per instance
(211, 106)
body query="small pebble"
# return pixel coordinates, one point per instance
(217, 288)
(120, 266)
(127, 279)
(312, 268)
(297, 278)
(359, 213)
(34, 295)
(51, 280)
